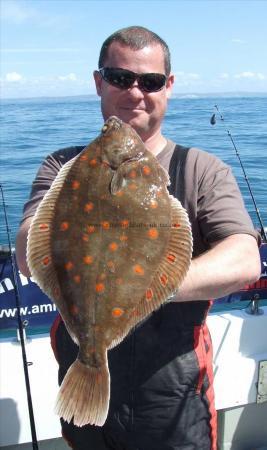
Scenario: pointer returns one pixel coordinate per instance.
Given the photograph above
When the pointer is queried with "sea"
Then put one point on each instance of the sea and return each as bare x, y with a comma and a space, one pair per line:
33, 128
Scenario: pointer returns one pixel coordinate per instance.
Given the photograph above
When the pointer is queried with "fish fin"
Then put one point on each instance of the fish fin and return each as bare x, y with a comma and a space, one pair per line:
119, 178
164, 176
84, 395
117, 181
38, 243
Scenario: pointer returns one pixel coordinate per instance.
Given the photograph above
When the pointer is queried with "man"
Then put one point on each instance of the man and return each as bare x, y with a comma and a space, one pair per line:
161, 374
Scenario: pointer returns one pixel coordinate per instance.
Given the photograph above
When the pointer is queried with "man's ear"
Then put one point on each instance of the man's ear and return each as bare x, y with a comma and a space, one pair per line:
98, 82
169, 85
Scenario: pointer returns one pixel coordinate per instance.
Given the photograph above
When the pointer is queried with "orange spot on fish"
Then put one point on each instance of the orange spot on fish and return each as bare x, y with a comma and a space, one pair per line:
138, 269
132, 186
171, 258
83, 157
149, 294
153, 204
132, 174
176, 225
85, 238
123, 238
146, 170
99, 287
113, 246
46, 261
75, 185
90, 228
125, 223
153, 233
119, 194
43, 227
77, 279
69, 265
163, 279
88, 259
93, 162
111, 266
88, 207
117, 312
105, 225
74, 310
64, 226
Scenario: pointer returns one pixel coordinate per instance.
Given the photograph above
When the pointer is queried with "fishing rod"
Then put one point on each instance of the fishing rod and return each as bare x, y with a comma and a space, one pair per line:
213, 122
21, 329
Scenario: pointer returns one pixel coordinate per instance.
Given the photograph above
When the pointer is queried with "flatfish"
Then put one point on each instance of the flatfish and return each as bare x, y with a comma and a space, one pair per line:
108, 245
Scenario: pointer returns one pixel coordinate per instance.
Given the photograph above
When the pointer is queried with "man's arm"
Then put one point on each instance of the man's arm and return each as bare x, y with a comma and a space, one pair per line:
227, 267
21, 246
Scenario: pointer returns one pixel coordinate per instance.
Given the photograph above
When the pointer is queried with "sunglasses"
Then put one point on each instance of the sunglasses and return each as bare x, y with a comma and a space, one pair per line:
124, 79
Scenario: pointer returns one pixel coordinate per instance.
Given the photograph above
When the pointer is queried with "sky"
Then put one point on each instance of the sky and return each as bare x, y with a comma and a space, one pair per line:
51, 47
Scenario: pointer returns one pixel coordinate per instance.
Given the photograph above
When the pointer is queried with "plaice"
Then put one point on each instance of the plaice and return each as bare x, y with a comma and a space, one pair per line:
108, 245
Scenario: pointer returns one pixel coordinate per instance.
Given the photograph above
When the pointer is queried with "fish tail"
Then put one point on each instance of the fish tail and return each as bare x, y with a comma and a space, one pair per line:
84, 395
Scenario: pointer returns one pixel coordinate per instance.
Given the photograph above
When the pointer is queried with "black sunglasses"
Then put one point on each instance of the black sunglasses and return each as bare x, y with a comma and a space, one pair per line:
124, 79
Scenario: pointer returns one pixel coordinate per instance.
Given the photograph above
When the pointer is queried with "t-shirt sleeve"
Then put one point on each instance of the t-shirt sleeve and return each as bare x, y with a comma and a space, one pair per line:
41, 184
45, 177
220, 207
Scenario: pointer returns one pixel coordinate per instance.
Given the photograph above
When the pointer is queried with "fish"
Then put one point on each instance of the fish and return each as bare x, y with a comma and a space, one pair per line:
109, 245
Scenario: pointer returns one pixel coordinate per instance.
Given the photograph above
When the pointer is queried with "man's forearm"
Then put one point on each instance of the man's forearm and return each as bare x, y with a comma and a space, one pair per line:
225, 268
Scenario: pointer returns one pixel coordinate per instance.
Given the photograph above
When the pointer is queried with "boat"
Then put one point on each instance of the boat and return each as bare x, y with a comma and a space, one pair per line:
238, 327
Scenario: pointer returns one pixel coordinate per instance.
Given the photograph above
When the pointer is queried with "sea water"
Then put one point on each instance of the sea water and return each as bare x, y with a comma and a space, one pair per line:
33, 128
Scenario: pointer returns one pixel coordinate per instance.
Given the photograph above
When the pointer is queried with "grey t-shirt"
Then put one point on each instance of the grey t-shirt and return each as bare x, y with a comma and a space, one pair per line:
212, 197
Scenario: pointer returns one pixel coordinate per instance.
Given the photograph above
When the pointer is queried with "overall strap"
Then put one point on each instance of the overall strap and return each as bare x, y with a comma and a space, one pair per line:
176, 172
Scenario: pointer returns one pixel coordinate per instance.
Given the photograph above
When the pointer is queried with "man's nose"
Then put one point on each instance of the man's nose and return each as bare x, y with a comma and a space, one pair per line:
135, 90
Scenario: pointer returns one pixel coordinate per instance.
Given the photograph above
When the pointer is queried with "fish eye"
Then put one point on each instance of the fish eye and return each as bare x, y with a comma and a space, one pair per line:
104, 128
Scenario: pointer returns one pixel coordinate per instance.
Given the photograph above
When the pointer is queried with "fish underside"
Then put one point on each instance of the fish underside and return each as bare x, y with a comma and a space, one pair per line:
108, 244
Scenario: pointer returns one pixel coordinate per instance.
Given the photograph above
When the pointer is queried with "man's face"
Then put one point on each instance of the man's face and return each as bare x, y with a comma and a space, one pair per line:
144, 111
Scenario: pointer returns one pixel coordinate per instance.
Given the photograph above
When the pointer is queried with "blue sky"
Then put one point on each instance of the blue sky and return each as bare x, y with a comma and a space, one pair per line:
51, 47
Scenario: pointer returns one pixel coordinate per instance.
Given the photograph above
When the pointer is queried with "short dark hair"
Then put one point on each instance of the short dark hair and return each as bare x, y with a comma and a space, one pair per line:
136, 38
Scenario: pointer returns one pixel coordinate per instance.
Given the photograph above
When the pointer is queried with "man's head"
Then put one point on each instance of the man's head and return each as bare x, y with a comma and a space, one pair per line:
139, 101
136, 38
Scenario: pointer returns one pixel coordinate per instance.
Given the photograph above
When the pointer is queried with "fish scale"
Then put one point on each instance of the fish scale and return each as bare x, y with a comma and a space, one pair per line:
109, 245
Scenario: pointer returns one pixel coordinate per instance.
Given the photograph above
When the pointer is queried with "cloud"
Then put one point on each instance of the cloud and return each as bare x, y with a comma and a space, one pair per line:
17, 13
187, 79
70, 77
186, 76
224, 76
238, 41
41, 50
251, 76
13, 76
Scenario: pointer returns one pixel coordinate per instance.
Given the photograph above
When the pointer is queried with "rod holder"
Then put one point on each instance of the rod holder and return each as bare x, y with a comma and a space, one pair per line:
253, 308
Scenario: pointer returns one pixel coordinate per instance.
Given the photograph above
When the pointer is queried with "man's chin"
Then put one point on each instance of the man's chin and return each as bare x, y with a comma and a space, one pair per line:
136, 118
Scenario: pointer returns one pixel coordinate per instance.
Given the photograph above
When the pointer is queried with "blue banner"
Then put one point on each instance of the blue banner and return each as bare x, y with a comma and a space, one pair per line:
38, 310
35, 307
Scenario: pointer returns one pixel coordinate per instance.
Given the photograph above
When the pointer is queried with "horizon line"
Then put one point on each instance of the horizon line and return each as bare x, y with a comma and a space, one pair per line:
183, 94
